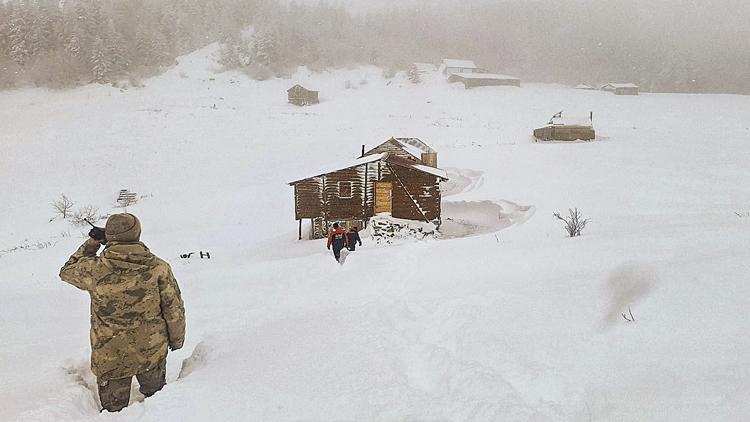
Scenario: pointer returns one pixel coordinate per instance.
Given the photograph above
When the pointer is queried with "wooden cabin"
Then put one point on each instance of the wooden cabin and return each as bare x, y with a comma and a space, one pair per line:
621, 88
451, 66
299, 95
566, 129
352, 193
412, 149
474, 79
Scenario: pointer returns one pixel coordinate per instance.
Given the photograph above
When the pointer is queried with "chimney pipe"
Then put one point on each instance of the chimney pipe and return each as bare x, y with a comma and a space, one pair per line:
363, 151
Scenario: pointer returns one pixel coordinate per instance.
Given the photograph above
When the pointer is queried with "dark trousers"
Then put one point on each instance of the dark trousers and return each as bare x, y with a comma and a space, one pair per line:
115, 394
337, 252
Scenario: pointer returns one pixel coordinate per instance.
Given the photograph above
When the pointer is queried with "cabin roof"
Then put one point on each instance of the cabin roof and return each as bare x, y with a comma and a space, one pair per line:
388, 158
356, 163
621, 85
466, 75
298, 85
402, 162
467, 64
414, 146
584, 86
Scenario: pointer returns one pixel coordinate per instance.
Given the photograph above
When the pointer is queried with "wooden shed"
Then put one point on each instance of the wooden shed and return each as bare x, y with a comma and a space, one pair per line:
621, 88
566, 129
375, 183
451, 66
299, 95
471, 80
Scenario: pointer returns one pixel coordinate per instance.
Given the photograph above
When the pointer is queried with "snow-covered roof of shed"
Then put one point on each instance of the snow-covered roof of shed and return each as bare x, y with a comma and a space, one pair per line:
467, 75
414, 146
584, 86
466, 64
356, 163
622, 85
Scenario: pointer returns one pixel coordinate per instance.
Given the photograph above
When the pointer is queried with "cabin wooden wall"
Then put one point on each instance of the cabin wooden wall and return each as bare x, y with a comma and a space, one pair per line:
337, 208
308, 198
420, 192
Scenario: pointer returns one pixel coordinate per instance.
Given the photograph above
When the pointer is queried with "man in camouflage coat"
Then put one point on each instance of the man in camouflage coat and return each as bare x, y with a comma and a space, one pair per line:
136, 309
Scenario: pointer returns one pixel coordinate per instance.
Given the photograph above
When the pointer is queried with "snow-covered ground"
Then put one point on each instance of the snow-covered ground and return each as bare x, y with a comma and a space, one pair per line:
497, 320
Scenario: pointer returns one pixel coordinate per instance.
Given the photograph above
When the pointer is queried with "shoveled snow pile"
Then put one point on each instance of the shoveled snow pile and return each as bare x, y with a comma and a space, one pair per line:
512, 321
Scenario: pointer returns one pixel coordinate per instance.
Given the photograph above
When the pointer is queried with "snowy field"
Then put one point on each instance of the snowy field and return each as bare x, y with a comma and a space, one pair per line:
501, 319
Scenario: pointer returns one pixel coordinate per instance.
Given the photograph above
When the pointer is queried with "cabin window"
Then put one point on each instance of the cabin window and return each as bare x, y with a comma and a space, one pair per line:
345, 190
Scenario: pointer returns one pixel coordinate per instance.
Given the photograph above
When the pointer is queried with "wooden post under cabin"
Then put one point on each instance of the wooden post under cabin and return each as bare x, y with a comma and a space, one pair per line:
300, 230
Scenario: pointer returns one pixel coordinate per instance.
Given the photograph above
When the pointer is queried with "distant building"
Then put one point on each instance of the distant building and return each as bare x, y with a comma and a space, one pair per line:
567, 129
451, 66
299, 95
471, 80
621, 88
397, 177
584, 86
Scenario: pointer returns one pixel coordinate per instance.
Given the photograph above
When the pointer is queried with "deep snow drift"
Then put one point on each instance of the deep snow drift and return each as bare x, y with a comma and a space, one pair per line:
502, 318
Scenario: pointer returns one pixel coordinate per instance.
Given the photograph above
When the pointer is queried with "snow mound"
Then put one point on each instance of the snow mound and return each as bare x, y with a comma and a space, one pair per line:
461, 181
471, 218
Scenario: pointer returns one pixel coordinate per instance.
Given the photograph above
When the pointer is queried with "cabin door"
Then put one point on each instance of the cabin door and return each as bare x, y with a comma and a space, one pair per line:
383, 197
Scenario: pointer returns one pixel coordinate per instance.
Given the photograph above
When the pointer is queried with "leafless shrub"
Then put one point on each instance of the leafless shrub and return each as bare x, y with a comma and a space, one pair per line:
574, 223
88, 212
63, 206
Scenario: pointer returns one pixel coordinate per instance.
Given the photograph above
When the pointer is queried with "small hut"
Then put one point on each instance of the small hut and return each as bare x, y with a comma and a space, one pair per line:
566, 129
299, 95
473, 79
451, 66
383, 182
585, 87
621, 88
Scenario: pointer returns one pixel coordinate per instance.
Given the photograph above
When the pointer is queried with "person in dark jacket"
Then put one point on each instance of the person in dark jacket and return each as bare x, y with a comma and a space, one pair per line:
337, 239
353, 238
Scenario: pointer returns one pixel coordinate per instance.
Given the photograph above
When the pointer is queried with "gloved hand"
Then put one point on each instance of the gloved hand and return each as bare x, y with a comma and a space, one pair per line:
97, 233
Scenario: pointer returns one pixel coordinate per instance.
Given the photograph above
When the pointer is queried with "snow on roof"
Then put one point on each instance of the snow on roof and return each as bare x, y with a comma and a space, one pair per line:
358, 162
431, 170
416, 166
584, 86
485, 76
467, 64
622, 85
414, 146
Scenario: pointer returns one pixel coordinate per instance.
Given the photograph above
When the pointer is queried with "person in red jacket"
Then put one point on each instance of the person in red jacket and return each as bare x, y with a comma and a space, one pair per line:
338, 239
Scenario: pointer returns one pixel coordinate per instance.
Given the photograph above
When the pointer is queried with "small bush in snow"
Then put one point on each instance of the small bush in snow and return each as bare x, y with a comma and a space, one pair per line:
63, 206
88, 212
574, 223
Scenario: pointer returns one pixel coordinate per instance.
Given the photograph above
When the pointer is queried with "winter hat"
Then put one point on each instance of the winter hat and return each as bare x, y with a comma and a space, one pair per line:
123, 228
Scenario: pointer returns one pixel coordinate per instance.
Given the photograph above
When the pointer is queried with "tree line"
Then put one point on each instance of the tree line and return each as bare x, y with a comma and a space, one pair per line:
666, 46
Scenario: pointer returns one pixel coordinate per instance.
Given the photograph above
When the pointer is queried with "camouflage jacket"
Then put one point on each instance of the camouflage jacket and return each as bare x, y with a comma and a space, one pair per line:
136, 307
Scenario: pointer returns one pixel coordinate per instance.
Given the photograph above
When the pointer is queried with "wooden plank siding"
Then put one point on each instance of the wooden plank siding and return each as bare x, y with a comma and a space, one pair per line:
308, 198
416, 195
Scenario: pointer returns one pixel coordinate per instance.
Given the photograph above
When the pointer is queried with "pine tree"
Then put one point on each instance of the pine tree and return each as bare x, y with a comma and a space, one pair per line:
18, 29
264, 46
101, 66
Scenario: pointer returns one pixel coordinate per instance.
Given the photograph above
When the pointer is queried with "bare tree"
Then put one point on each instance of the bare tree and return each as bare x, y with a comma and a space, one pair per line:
574, 223
63, 206
88, 212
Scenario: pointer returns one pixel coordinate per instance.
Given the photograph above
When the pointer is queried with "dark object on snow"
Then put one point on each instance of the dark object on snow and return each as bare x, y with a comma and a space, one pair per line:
353, 239
202, 254
186, 255
621, 88
97, 233
300, 96
205, 255
337, 239
472, 80
399, 177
